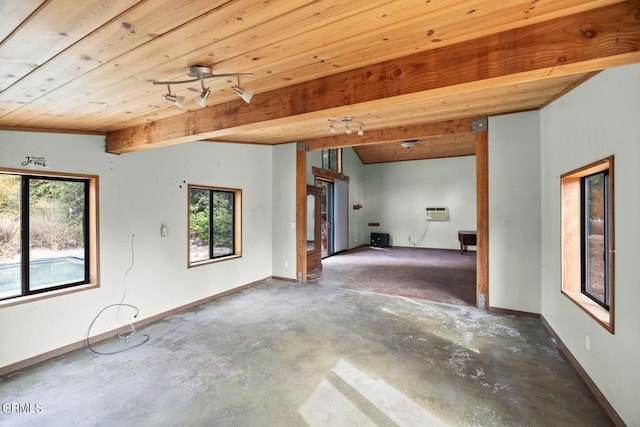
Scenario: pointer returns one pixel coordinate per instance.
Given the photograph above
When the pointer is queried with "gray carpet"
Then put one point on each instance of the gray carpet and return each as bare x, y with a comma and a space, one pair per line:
281, 354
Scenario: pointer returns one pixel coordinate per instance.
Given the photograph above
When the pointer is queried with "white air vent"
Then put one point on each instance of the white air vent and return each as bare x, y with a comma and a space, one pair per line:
437, 214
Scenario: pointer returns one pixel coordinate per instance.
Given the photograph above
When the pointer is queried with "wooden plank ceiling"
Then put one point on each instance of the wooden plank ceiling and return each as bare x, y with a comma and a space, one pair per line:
405, 69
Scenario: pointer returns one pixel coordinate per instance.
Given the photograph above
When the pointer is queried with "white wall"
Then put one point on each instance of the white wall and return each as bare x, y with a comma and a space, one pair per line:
397, 194
314, 158
138, 193
354, 169
514, 212
284, 211
595, 120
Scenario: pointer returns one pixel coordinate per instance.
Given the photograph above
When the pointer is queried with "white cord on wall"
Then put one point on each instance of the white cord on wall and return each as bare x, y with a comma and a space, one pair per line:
424, 234
125, 335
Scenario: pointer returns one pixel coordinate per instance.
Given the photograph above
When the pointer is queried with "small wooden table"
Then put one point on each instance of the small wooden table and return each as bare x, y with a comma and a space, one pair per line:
466, 238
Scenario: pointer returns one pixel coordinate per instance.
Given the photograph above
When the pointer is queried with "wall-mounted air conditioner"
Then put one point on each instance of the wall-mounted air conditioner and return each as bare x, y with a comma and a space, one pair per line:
437, 214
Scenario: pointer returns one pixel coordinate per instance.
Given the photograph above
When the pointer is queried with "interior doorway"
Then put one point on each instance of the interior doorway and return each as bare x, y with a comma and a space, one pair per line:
334, 215
327, 216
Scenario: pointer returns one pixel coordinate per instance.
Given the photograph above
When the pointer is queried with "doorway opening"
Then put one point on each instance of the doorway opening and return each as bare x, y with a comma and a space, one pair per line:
326, 217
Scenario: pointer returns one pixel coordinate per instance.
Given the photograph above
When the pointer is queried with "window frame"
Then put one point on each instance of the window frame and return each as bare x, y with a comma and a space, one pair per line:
332, 153
585, 227
236, 226
573, 236
91, 227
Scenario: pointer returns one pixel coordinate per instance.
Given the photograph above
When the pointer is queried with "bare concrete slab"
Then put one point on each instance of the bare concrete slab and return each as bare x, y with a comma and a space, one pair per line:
283, 354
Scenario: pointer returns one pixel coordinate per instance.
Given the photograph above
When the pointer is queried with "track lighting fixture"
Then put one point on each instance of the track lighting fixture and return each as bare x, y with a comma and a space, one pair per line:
347, 122
246, 95
199, 73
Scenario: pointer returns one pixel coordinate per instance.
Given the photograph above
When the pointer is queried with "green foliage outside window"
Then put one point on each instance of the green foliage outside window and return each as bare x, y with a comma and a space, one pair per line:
331, 159
200, 215
203, 224
9, 215
56, 214
223, 220
596, 199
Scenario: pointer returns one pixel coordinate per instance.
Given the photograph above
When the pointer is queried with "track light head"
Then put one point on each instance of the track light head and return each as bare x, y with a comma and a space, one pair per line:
178, 101
202, 99
246, 95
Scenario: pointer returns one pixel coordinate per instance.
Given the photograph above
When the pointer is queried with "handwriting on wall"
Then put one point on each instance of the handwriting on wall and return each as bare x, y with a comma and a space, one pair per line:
34, 161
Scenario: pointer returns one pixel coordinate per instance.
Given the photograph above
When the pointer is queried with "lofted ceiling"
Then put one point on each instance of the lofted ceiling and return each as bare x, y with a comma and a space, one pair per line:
407, 69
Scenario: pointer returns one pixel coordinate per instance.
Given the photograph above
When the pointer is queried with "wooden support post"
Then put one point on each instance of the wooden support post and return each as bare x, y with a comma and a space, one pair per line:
301, 213
482, 218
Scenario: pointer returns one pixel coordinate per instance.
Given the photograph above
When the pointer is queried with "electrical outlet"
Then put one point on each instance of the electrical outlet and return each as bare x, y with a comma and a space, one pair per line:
286, 264
587, 342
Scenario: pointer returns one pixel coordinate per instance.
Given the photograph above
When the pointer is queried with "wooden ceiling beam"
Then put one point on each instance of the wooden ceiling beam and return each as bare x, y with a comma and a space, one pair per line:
585, 42
377, 136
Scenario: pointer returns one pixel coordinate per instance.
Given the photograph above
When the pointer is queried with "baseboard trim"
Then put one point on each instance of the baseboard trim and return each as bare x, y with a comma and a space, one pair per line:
615, 417
469, 251
284, 279
496, 310
138, 324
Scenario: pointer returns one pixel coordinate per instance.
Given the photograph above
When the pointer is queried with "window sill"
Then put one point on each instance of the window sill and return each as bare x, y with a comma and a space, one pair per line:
598, 313
45, 295
212, 261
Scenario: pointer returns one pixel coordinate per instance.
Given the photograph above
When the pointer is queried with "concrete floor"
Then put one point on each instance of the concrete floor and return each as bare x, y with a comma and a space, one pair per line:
284, 354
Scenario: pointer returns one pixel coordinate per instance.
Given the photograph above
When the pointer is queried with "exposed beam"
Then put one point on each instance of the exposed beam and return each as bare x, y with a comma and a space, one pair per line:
585, 42
371, 137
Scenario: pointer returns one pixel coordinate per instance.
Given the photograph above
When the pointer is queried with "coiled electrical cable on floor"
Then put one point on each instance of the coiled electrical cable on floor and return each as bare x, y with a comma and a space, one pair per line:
125, 335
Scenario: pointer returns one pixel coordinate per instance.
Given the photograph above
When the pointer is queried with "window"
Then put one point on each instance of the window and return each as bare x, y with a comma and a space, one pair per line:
332, 159
595, 218
214, 224
47, 233
587, 239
